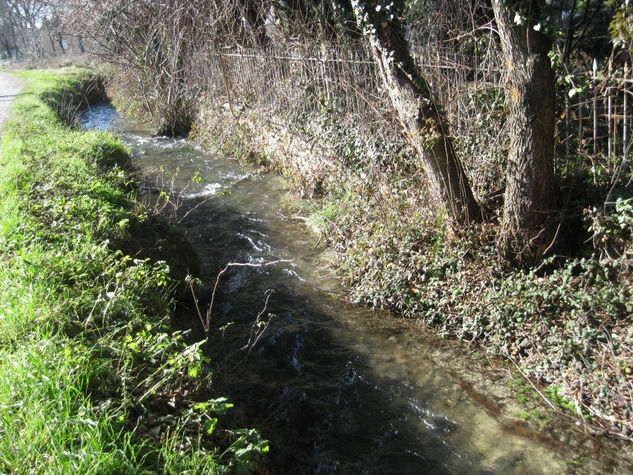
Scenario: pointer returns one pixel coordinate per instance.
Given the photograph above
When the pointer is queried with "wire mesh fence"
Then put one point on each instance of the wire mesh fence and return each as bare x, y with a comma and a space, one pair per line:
593, 128
301, 80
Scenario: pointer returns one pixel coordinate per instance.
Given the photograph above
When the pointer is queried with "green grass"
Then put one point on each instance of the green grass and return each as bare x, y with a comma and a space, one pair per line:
86, 351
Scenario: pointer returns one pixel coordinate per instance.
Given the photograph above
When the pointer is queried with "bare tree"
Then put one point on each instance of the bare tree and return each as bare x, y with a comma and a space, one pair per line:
23, 19
157, 44
30, 27
8, 36
421, 117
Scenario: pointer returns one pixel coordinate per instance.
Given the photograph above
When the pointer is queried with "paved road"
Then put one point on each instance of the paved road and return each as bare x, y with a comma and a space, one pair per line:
10, 86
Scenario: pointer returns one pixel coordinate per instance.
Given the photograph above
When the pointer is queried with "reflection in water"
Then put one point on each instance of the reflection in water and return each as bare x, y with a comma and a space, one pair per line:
335, 387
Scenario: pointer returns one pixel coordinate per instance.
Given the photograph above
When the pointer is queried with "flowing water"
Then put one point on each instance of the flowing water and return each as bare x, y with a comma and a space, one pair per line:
334, 386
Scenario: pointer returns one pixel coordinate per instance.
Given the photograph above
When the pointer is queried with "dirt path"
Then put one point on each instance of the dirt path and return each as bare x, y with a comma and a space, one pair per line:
10, 87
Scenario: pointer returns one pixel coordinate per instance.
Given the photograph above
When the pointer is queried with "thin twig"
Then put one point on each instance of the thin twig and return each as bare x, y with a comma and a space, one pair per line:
189, 280
250, 344
235, 264
581, 421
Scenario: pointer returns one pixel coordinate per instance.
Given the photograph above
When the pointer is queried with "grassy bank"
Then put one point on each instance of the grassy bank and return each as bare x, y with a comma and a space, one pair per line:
566, 324
92, 377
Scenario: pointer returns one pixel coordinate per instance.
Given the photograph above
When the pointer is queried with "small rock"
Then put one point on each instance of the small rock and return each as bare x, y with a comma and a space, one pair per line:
155, 431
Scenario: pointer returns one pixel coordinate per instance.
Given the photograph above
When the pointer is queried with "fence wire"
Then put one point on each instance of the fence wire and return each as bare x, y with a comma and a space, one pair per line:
301, 81
594, 122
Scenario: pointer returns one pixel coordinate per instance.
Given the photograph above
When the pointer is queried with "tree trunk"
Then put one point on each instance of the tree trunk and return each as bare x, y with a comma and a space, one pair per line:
529, 215
418, 112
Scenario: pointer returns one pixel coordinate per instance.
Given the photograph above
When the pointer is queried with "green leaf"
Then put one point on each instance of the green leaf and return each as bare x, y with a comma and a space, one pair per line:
210, 424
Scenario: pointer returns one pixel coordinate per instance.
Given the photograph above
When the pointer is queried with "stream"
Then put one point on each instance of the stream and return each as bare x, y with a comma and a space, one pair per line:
335, 387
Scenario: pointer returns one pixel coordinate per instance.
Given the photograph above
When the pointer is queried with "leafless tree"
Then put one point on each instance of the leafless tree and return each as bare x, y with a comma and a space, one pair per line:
23, 26
157, 44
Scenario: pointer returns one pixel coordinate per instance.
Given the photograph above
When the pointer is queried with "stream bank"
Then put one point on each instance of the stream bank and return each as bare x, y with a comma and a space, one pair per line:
335, 386
93, 378
363, 195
